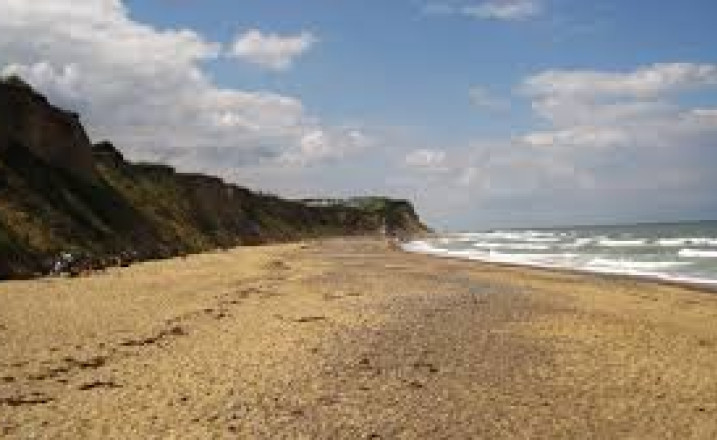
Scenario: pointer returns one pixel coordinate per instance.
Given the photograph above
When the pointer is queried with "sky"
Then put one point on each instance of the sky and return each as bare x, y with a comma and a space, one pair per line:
484, 113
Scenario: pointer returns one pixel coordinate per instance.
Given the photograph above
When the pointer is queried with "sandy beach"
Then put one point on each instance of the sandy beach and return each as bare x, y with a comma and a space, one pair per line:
349, 338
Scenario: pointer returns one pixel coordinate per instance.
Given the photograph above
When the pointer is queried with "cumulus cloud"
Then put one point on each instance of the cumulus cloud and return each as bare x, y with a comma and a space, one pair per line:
638, 108
146, 88
627, 130
271, 51
612, 145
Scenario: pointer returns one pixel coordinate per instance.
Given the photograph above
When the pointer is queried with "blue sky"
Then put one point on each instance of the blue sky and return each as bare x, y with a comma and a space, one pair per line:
409, 67
484, 112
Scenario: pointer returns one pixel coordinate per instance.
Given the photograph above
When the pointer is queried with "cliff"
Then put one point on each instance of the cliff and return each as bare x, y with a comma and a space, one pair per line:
64, 200
51, 134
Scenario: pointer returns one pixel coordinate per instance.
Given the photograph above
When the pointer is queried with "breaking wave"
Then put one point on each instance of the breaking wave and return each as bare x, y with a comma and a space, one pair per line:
676, 252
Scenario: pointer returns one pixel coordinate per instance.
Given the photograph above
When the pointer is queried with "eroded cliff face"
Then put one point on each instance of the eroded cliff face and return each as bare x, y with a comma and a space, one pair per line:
51, 134
59, 194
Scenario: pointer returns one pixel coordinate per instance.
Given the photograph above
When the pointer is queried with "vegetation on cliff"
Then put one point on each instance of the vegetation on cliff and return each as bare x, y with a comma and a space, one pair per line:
61, 195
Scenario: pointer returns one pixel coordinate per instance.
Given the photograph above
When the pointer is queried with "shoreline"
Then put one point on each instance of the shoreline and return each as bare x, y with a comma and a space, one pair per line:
350, 338
704, 287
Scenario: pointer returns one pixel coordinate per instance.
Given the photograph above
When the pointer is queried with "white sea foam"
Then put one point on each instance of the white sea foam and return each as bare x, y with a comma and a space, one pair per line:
606, 242
633, 265
418, 246
697, 253
641, 261
579, 242
544, 239
705, 241
673, 242
529, 236
678, 242
511, 246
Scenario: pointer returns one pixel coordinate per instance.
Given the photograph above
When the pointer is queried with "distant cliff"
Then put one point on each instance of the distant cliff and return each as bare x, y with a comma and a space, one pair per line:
63, 199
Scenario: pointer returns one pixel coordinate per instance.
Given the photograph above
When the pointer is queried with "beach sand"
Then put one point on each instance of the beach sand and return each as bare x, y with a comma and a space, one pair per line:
348, 338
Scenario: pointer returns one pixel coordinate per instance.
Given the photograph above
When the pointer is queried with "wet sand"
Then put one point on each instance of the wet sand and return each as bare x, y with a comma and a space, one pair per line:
352, 339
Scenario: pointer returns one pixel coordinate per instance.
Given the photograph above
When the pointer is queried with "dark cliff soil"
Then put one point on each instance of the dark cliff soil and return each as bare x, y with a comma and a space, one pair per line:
59, 194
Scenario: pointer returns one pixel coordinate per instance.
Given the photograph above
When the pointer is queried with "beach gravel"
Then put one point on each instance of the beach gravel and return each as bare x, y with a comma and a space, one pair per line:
350, 338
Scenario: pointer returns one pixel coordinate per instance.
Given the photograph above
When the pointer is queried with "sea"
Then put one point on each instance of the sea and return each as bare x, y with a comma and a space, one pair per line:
682, 252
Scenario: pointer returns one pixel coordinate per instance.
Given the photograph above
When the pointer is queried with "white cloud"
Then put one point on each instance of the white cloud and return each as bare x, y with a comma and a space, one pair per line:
501, 10
427, 160
597, 137
506, 10
708, 114
327, 144
271, 51
600, 109
611, 146
624, 132
643, 83
439, 9
484, 99
145, 88
568, 111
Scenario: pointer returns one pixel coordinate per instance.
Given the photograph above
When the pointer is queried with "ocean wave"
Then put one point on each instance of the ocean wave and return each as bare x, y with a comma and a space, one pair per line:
547, 260
606, 242
419, 246
594, 262
697, 253
673, 242
544, 239
579, 242
526, 236
704, 241
678, 242
629, 265
511, 246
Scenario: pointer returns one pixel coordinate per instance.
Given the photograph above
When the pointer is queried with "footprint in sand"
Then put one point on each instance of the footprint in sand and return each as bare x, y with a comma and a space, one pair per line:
305, 319
98, 384
34, 399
